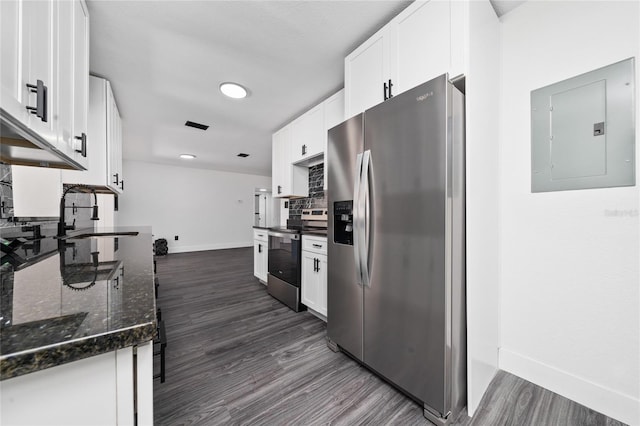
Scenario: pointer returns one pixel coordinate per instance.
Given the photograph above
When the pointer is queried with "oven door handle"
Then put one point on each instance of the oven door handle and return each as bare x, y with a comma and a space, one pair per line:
284, 235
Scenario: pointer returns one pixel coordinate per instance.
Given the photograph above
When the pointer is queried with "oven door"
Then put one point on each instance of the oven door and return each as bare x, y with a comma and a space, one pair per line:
285, 253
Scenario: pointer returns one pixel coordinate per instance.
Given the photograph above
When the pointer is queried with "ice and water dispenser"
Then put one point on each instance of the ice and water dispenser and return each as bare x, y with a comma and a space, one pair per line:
343, 222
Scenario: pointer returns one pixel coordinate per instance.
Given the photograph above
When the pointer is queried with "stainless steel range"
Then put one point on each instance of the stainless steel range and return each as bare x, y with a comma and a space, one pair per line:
285, 255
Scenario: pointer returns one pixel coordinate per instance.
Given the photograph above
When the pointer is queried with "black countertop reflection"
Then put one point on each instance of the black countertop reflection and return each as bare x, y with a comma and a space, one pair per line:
61, 301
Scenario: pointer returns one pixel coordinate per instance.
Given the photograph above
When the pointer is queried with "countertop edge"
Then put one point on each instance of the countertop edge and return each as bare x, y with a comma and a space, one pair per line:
20, 363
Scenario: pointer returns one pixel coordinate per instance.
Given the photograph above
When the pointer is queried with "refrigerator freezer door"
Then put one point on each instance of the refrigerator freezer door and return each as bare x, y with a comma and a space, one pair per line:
344, 298
405, 303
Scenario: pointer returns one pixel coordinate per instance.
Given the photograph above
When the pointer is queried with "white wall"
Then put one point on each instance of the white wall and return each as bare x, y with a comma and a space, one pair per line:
483, 202
570, 298
207, 209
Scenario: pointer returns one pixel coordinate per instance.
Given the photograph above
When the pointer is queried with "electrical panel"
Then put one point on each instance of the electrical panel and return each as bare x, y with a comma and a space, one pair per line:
583, 131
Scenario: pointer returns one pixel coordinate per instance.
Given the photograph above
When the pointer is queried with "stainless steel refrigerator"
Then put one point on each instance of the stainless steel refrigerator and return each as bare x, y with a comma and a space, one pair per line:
396, 244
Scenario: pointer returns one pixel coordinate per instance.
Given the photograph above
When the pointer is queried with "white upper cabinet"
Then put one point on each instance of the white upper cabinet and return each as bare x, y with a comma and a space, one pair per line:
114, 144
302, 143
104, 141
421, 49
333, 111
287, 180
11, 43
73, 78
307, 135
65, 83
38, 68
367, 73
81, 77
39, 80
419, 44
280, 156
333, 115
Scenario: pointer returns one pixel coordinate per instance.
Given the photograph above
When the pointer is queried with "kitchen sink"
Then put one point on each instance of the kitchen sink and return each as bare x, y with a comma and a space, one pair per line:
103, 234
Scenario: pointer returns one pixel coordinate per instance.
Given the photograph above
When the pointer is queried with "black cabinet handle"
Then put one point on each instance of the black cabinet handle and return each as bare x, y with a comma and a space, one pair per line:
304, 149
40, 110
83, 148
390, 86
318, 267
122, 184
259, 248
384, 91
317, 245
279, 189
117, 181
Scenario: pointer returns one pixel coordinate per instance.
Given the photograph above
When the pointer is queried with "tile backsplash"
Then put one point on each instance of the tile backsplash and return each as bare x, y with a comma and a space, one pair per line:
6, 195
316, 197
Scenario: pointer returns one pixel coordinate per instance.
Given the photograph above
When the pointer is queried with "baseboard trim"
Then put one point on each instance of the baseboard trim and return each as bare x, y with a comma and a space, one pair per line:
609, 402
205, 247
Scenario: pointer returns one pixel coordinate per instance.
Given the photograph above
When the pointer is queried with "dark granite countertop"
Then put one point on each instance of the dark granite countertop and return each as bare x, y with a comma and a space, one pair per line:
266, 228
62, 301
315, 233
284, 229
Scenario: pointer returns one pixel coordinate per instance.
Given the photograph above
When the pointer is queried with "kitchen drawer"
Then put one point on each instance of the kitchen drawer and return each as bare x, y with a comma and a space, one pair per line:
314, 244
261, 235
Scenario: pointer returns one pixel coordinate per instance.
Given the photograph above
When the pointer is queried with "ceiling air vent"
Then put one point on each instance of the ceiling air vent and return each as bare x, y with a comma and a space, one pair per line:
243, 155
196, 125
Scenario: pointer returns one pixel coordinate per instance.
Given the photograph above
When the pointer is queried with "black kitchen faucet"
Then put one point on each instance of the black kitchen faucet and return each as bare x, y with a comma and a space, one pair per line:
62, 226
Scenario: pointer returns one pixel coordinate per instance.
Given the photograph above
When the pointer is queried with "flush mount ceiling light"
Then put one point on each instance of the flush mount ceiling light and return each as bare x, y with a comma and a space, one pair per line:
187, 156
233, 90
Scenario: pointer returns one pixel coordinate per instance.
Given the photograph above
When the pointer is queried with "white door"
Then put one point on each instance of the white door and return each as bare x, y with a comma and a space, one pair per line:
65, 84
366, 71
38, 64
12, 43
309, 280
307, 134
114, 143
260, 260
281, 162
421, 48
264, 267
333, 115
81, 80
321, 282
257, 263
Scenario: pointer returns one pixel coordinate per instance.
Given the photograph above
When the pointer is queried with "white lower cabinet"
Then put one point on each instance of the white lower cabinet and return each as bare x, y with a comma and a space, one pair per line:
314, 275
260, 256
95, 390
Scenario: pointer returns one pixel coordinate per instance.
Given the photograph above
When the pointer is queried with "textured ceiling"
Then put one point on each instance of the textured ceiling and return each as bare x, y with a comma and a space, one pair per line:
166, 59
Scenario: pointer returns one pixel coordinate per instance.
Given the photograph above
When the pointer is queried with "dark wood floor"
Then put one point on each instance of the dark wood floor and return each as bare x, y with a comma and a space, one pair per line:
237, 356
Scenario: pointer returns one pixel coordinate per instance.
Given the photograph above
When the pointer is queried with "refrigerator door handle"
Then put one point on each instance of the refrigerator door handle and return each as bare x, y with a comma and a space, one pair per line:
366, 221
357, 219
